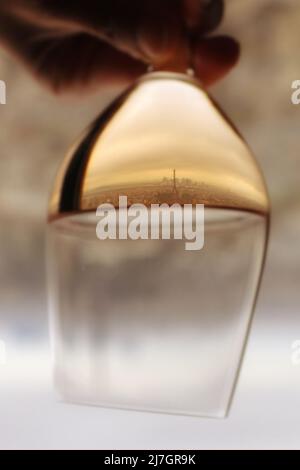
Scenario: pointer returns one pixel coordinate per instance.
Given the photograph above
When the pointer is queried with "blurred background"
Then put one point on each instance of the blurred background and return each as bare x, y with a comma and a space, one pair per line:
36, 129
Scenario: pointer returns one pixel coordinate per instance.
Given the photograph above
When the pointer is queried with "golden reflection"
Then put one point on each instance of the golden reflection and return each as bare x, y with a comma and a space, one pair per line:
165, 125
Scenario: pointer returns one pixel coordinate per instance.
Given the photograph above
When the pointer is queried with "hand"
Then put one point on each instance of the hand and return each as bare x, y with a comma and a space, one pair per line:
85, 44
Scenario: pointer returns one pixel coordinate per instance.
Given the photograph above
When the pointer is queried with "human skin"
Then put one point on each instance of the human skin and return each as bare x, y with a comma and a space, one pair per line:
81, 45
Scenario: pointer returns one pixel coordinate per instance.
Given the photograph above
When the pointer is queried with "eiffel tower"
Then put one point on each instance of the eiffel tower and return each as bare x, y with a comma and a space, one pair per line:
174, 183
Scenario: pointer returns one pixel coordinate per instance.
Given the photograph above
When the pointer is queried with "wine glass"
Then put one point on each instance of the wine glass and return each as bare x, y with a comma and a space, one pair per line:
146, 324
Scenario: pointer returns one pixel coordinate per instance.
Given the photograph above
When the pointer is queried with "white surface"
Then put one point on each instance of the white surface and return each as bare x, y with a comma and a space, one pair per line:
265, 412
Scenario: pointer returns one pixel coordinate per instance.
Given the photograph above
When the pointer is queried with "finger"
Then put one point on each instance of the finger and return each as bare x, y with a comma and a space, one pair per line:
82, 63
151, 31
40, 49
214, 58
148, 30
68, 62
